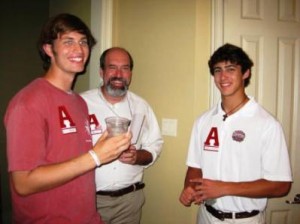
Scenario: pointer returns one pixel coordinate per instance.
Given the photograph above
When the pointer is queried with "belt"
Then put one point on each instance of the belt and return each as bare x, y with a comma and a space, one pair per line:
228, 215
126, 190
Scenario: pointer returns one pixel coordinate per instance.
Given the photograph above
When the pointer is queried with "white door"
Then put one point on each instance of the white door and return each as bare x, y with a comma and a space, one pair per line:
269, 30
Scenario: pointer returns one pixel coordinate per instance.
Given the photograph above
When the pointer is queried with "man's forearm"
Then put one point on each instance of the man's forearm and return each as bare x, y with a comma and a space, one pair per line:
143, 157
258, 189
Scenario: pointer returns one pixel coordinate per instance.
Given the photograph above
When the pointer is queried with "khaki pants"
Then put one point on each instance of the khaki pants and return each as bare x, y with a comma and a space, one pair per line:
204, 217
125, 209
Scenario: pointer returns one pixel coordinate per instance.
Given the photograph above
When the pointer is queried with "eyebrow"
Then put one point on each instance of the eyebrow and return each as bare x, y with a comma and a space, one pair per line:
67, 36
125, 65
226, 66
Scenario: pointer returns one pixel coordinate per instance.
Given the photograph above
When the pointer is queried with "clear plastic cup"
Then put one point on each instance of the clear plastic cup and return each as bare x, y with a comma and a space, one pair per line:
116, 125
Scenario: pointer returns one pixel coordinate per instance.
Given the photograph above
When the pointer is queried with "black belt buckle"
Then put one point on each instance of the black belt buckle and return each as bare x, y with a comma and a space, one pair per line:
227, 215
215, 213
220, 215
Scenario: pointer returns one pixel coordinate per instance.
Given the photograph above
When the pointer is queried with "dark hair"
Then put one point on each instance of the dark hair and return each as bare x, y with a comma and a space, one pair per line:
61, 24
103, 56
233, 54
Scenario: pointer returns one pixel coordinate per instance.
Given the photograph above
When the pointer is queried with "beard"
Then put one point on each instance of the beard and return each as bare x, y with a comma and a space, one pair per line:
116, 91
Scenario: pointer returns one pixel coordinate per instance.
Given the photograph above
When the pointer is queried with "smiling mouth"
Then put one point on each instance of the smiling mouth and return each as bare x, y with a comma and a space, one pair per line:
117, 82
76, 59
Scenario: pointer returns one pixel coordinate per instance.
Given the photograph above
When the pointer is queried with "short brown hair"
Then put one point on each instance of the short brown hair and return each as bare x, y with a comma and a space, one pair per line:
60, 24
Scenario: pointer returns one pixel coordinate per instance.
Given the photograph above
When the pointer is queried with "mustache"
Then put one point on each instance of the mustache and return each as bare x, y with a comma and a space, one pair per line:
118, 79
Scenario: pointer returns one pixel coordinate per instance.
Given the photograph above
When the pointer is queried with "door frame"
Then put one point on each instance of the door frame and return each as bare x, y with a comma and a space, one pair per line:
217, 40
101, 26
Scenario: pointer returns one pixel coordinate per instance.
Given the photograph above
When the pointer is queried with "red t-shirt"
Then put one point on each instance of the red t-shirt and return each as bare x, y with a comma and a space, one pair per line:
46, 125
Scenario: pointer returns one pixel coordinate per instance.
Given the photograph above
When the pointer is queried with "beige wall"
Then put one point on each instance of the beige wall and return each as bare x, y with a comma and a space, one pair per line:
170, 43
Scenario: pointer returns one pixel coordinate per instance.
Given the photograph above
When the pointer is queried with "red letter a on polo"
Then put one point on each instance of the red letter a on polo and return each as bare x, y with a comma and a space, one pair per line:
96, 128
212, 140
66, 123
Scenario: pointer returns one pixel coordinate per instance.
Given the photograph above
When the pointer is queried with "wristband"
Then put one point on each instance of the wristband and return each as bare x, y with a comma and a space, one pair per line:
95, 157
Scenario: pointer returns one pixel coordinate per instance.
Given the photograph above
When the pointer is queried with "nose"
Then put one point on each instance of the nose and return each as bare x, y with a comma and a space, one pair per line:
119, 72
223, 74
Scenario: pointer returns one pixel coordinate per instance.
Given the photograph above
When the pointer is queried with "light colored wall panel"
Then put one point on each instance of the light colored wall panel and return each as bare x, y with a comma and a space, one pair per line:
288, 10
253, 46
296, 110
252, 9
286, 74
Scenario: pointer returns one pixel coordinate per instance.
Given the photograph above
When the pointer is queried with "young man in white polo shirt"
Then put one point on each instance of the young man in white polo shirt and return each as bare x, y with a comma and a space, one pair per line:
233, 149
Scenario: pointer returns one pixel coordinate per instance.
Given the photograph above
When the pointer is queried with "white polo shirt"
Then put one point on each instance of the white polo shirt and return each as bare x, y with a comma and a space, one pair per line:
247, 146
117, 175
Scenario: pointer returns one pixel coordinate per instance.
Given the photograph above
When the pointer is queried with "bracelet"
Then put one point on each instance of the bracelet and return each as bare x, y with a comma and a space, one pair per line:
95, 157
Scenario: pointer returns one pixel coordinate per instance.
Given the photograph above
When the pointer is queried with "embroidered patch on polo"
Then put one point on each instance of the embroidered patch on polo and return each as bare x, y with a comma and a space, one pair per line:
238, 136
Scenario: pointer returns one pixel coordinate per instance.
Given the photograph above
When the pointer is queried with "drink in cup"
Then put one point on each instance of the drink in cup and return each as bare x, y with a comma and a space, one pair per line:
116, 125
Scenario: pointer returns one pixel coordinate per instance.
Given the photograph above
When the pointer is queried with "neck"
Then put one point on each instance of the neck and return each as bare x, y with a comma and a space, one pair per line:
60, 81
231, 106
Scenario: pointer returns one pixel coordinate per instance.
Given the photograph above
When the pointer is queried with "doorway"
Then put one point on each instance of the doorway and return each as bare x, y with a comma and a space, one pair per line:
269, 31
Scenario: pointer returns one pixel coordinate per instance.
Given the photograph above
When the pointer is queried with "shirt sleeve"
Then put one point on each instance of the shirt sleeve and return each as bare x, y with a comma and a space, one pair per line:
276, 164
151, 139
25, 137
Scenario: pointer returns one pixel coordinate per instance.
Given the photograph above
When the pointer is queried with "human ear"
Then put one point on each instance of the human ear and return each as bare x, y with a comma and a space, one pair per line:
101, 73
246, 74
48, 49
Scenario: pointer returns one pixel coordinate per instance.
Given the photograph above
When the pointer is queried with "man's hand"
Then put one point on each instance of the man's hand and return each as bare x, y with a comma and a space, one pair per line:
129, 156
206, 189
187, 196
111, 148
